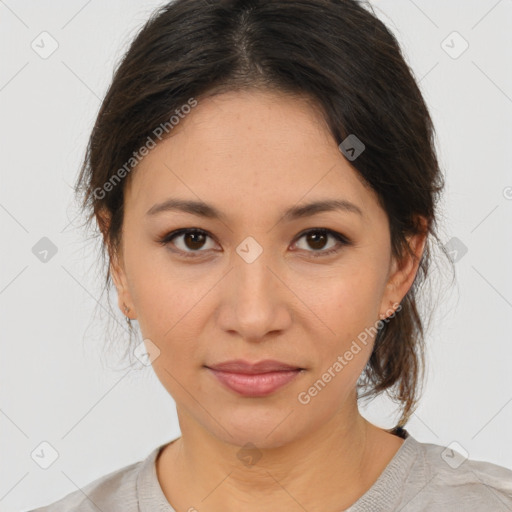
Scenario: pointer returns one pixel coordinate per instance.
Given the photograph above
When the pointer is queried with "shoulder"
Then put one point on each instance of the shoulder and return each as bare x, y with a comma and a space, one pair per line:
444, 477
114, 491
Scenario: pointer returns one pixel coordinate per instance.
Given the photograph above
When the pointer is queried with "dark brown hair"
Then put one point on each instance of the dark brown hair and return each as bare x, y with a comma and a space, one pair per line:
337, 54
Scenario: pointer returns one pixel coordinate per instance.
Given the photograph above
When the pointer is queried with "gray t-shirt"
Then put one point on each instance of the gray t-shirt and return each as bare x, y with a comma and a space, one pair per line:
420, 477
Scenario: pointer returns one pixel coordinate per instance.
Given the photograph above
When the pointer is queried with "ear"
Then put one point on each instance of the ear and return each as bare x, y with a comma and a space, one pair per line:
116, 268
403, 271
124, 299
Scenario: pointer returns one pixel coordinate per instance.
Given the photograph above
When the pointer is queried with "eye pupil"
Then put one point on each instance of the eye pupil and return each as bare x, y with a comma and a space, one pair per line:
314, 237
194, 237
191, 241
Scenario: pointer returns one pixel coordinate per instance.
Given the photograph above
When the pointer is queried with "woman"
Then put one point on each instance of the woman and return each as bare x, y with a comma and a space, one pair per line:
264, 178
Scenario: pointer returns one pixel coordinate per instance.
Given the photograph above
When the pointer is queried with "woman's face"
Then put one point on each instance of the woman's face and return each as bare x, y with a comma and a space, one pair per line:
253, 285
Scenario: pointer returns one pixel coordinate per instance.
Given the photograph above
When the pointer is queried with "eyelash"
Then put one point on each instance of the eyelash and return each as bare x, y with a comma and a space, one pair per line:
343, 240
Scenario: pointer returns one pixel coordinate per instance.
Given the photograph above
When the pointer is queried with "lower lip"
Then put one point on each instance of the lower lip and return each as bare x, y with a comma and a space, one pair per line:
261, 384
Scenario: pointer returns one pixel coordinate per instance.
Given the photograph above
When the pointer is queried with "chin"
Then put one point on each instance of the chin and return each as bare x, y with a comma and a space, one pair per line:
254, 442
264, 434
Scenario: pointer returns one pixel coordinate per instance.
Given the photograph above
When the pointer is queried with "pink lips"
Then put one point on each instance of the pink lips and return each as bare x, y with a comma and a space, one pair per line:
254, 379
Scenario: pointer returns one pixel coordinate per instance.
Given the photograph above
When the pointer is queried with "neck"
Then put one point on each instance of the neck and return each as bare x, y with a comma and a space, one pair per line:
329, 468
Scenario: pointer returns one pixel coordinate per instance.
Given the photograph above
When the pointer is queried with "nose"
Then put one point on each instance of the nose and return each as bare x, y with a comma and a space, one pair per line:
255, 301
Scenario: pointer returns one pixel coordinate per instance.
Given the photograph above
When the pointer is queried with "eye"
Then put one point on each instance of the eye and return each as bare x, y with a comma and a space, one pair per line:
317, 238
192, 239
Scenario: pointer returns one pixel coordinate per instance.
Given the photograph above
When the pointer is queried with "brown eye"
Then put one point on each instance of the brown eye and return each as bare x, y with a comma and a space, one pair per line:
318, 238
194, 240
187, 241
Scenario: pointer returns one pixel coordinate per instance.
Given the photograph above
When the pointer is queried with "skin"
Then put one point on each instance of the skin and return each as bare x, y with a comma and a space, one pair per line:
252, 155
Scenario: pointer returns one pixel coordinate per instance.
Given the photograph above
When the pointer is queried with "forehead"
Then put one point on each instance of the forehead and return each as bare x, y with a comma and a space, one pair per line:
249, 151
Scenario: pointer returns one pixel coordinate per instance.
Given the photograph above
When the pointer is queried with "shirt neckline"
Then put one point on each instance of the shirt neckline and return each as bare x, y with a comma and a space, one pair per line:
149, 492
386, 490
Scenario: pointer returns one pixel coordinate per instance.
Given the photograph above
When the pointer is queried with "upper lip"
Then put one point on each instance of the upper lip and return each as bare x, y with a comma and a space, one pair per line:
265, 366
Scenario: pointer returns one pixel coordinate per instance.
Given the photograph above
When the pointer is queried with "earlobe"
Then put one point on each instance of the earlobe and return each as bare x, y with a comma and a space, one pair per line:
116, 267
410, 264
403, 273
123, 295
103, 221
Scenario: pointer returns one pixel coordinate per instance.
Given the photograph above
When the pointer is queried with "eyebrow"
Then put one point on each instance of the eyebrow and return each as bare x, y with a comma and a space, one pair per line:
295, 212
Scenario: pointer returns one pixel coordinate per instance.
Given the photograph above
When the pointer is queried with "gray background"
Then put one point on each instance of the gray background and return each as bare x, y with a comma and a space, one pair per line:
59, 386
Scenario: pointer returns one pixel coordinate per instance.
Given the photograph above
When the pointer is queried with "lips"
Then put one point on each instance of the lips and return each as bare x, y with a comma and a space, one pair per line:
254, 379
241, 366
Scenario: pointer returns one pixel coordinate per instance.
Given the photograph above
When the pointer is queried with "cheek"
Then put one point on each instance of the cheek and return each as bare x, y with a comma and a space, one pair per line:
350, 303
171, 312
165, 295
348, 306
